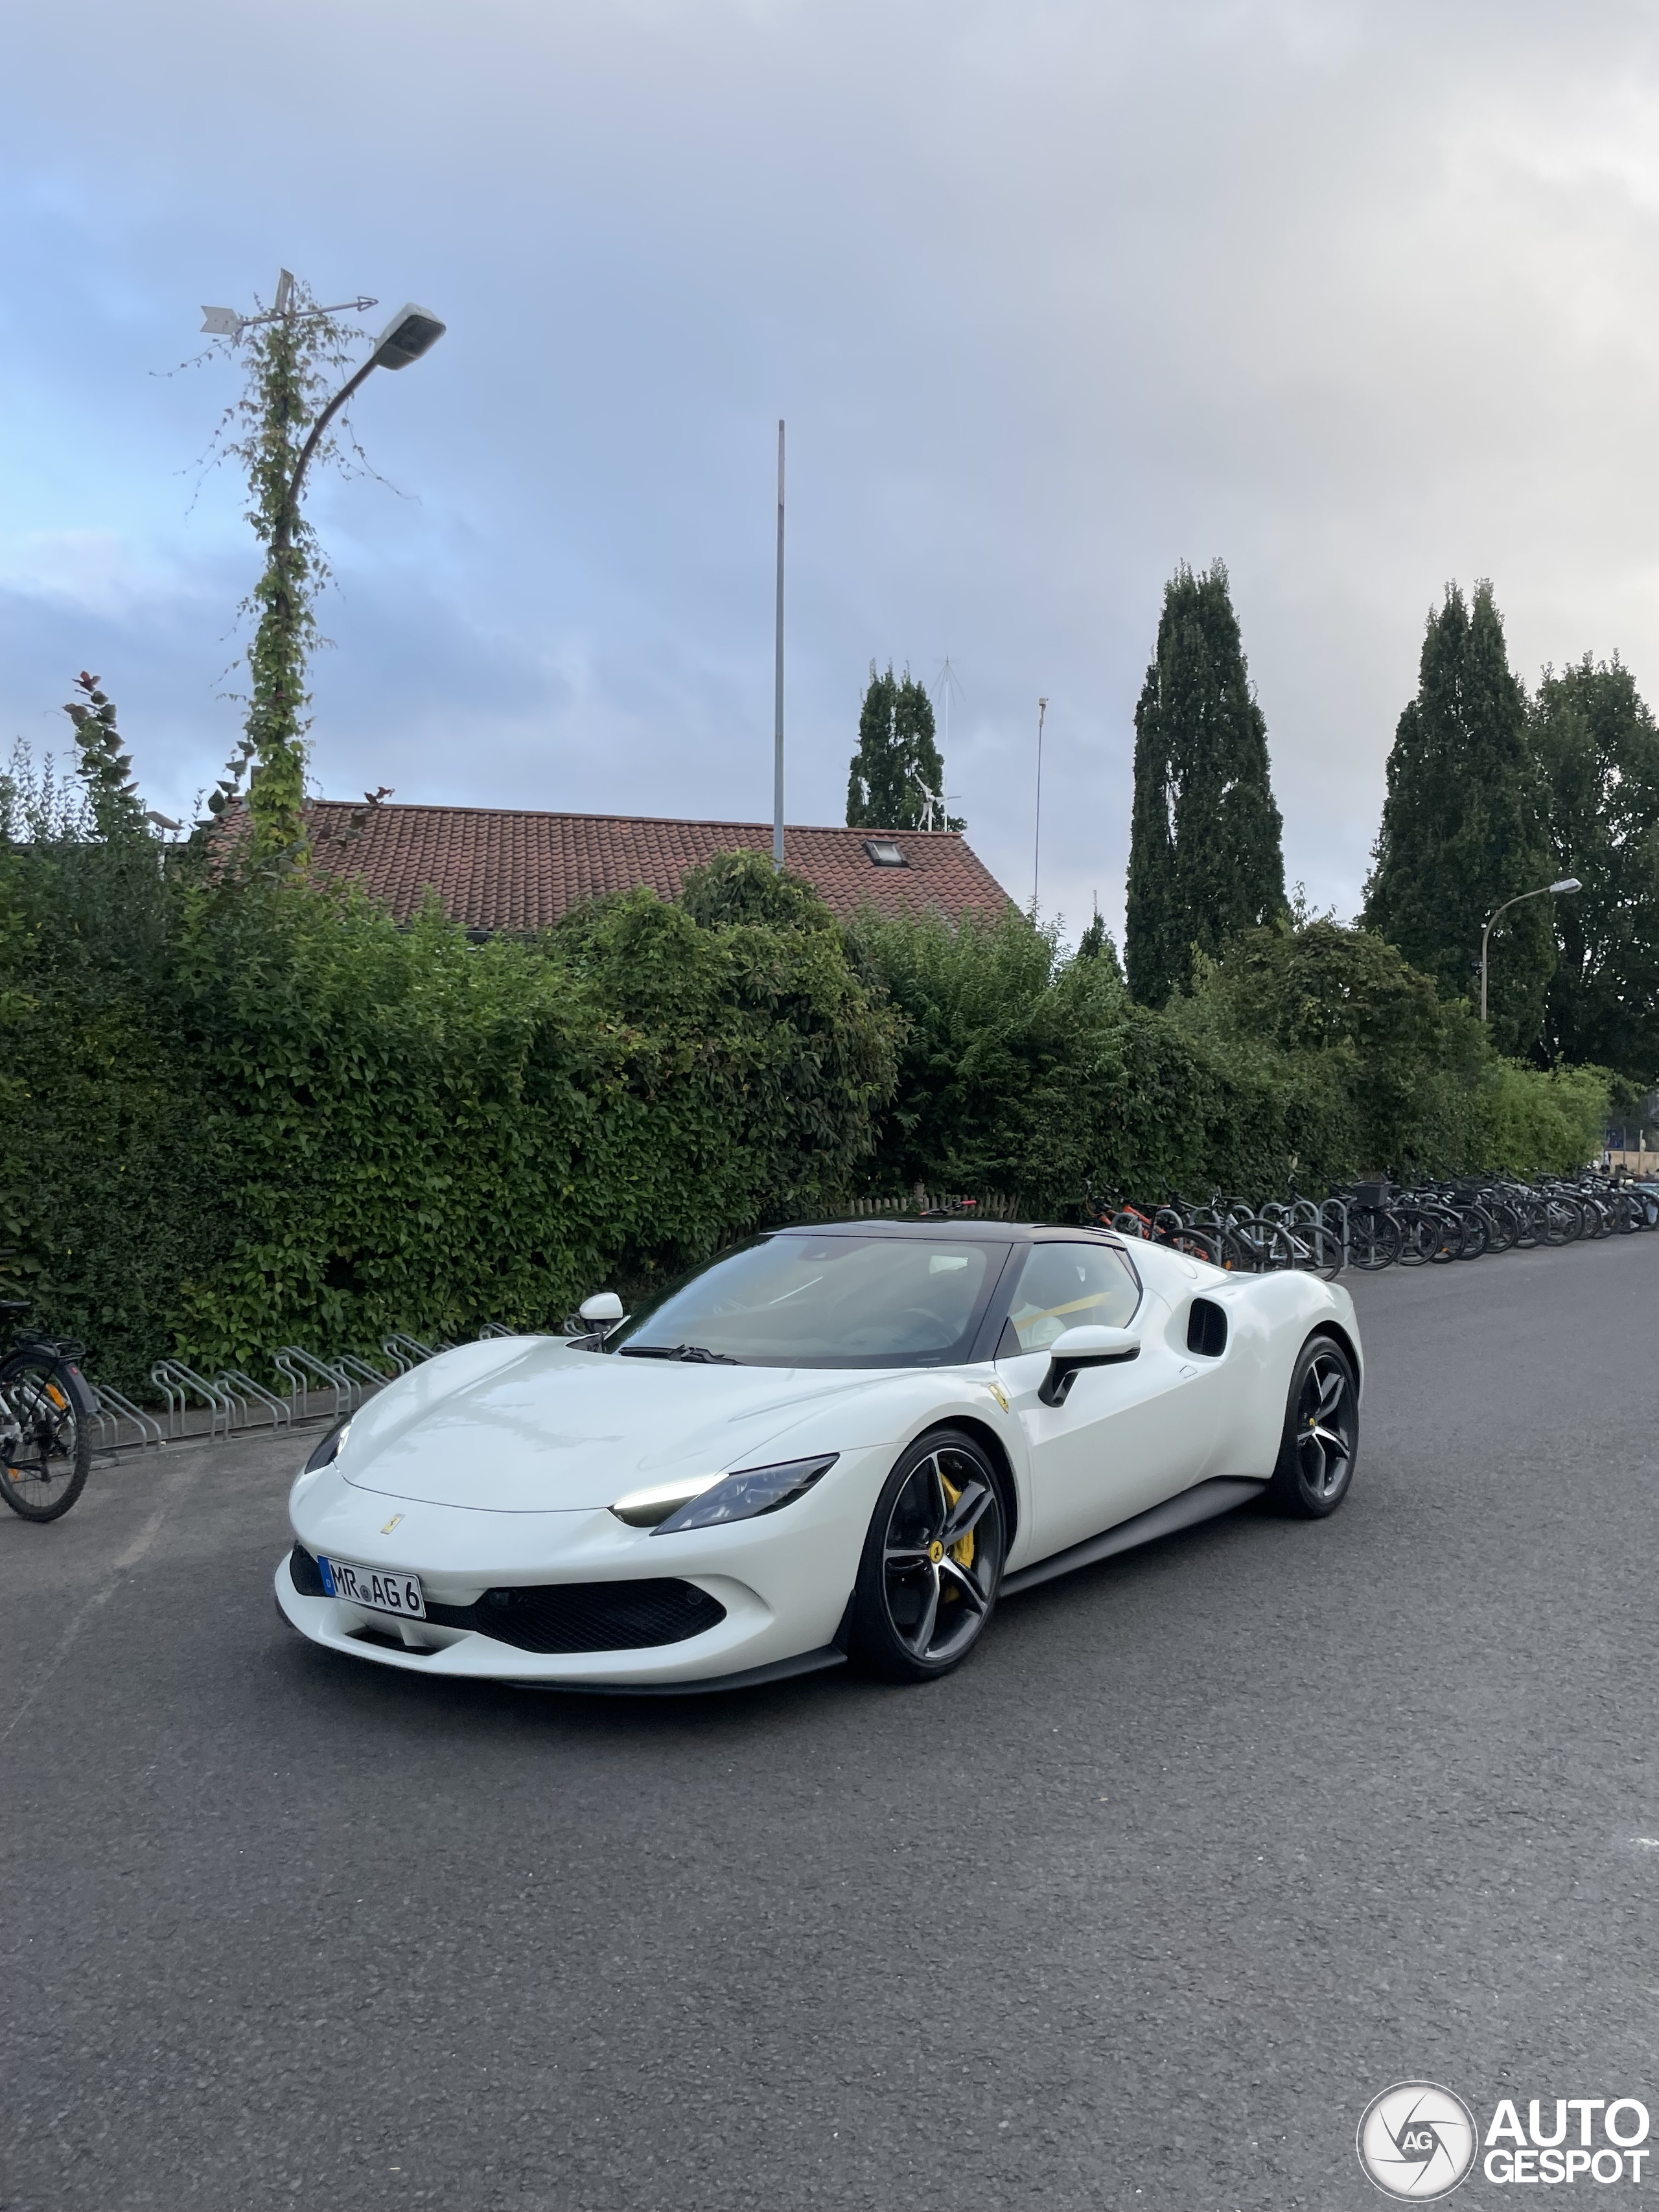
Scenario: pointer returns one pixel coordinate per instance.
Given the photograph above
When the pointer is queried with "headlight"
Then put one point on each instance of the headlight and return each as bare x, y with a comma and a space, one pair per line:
708, 1501
329, 1450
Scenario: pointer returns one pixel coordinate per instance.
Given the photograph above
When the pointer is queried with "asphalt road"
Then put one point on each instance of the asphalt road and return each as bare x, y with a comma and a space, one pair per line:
1204, 1848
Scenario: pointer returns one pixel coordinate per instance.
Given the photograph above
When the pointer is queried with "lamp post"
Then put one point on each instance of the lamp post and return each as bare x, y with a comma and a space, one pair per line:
1567, 885
412, 331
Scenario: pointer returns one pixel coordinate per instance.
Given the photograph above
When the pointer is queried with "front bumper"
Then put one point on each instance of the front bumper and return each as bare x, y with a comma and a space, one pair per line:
781, 1582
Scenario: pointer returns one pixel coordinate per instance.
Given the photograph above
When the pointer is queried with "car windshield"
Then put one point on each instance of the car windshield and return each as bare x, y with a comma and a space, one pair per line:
796, 1299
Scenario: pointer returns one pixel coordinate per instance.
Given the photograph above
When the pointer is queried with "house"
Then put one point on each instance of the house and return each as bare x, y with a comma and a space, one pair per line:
504, 870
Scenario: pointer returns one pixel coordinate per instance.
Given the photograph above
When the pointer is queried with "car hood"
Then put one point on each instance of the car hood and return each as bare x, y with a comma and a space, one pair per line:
524, 1424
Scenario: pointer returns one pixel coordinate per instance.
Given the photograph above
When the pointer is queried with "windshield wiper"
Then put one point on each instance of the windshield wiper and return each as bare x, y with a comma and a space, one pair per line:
697, 1354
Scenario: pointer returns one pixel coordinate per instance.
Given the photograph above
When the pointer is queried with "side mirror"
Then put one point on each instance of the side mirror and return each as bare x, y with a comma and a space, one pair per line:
595, 1318
1074, 1349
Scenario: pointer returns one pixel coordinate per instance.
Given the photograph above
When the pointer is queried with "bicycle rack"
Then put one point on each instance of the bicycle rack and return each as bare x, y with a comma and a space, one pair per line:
497, 1329
1333, 1214
242, 1391
361, 1377
409, 1352
303, 1369
112, 1409
179, 1384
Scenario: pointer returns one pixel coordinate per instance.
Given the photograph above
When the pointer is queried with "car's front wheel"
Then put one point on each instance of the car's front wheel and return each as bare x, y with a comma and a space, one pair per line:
933, 1561
1320, 1442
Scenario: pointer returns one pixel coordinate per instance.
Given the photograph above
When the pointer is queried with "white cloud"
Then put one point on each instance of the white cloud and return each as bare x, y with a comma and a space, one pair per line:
1053, 295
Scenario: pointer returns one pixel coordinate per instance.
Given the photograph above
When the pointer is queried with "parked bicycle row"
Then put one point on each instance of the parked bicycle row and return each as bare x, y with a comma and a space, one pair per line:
1379, 1223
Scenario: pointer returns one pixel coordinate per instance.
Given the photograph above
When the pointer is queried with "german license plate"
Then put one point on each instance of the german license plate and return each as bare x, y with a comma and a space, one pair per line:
373, 1587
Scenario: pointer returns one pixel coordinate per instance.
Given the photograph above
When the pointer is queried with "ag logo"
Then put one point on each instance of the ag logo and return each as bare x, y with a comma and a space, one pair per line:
1417, 2141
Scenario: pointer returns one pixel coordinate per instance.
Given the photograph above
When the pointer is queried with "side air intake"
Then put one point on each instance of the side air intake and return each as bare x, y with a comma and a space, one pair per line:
1206, 1328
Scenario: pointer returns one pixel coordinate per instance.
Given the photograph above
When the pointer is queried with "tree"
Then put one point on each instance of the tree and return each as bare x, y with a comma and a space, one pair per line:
105, 768
1205, 858
1597, 746
743, 887
897, 778
1462, 825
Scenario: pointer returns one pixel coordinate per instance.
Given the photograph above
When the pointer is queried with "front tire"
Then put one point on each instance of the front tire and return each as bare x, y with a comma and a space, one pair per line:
933, 1561
1320, 1442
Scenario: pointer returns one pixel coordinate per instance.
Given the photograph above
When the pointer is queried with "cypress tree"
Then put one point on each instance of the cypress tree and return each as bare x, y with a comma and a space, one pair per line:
1597, 746
1462, 826
897, 778
1205, 858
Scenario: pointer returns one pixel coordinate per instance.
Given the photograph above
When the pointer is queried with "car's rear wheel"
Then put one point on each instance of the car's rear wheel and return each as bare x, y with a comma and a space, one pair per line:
1321, 1433
933, 1561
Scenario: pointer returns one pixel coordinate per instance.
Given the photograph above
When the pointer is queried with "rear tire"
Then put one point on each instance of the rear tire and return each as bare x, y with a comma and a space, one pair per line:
45, 1445
933, 1561
1320, 1442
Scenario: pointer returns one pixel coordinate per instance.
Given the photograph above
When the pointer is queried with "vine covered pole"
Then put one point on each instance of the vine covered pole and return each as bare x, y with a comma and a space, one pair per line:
287, 421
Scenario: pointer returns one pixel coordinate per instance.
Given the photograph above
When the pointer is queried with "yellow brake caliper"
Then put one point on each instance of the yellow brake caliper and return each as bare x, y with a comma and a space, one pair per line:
962, 1553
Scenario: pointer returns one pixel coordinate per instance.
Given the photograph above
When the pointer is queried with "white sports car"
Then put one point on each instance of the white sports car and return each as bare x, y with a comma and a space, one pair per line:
836, 1442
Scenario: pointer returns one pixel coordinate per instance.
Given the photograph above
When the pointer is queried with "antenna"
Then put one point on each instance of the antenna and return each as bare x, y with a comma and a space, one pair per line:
1037, 837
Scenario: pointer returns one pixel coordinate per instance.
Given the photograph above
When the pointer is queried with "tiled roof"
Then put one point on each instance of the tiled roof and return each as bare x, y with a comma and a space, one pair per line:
496, 869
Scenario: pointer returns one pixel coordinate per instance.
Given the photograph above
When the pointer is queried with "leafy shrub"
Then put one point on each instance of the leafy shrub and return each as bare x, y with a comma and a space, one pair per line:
247, 1114
239, 1113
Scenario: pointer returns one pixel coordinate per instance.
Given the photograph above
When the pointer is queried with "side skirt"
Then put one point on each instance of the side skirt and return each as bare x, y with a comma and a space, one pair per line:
1201, 1502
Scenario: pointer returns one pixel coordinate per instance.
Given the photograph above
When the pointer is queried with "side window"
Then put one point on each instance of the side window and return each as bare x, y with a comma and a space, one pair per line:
1065, 1286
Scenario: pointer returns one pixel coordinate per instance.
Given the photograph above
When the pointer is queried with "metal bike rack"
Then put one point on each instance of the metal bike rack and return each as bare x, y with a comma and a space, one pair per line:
179, 1384
112, 1409
244, 1392
305, 1371
409, 1351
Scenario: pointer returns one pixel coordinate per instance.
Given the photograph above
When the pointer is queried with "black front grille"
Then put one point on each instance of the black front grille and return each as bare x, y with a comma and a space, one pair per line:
587, 1616
564, 1616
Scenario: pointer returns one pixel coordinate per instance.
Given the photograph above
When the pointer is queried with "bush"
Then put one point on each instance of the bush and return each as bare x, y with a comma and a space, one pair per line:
235, 1114
248, 1114
1307, 1056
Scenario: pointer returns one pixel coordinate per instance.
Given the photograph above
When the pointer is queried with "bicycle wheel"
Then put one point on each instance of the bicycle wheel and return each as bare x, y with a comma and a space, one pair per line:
1192, 1244
45, 1445
1374, 1238
1317, 1250
1431, 1236
1476, 1228
1505, 1226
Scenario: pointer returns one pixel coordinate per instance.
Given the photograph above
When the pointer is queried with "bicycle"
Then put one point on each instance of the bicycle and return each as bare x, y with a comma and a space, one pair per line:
46, 1407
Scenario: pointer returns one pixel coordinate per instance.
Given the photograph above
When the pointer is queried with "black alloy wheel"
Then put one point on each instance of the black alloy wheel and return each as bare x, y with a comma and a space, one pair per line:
1320, 1442
933, 1561
45, 1447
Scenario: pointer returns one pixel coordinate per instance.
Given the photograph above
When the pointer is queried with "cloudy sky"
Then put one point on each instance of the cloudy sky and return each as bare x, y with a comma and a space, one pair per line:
1054, 294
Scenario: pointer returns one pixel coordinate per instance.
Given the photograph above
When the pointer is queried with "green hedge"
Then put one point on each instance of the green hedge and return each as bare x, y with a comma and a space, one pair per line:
1307, 1056
288, 1119
236, 1114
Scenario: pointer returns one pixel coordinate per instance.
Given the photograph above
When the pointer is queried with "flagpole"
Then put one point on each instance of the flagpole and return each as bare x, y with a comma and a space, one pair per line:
777, 726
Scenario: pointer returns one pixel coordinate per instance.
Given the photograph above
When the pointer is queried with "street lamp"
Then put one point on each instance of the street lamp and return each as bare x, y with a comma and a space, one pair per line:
1567, 885
412, 331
